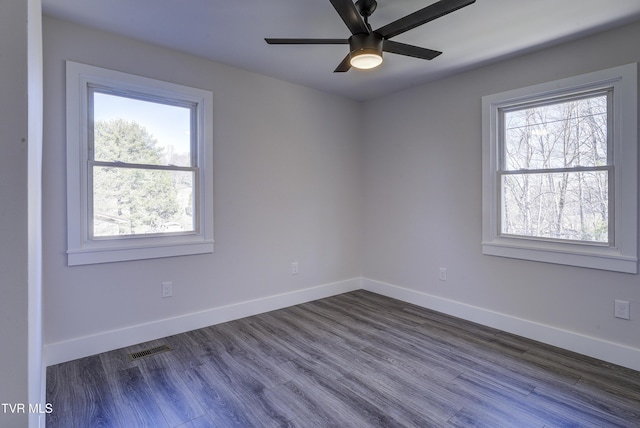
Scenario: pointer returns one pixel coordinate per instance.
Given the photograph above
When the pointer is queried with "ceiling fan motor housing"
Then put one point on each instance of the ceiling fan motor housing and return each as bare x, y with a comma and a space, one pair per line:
366, 43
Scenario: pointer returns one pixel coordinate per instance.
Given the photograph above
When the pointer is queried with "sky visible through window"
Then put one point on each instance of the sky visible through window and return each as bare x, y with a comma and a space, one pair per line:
169, 125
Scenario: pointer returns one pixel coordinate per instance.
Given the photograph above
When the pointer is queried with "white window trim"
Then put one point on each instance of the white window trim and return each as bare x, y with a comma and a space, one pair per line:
83, 250
623, 255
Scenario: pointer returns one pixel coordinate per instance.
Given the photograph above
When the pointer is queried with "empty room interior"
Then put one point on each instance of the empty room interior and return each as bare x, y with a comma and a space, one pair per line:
421, 243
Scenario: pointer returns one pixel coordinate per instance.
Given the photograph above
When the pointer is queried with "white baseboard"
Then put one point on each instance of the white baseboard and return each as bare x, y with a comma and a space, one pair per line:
597, 348
59, 352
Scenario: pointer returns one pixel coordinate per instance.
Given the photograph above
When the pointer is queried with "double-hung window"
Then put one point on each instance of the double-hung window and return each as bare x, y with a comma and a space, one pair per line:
138, 167
560, 171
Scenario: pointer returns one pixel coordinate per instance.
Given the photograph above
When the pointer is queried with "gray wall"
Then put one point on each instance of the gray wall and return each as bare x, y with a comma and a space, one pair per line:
422, 181
13, 193
287, 187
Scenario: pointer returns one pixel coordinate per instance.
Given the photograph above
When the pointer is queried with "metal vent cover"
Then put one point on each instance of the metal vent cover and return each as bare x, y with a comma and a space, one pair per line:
149, 352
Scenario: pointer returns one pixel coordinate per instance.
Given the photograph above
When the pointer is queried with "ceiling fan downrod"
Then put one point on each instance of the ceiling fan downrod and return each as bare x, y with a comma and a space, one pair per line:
366, 8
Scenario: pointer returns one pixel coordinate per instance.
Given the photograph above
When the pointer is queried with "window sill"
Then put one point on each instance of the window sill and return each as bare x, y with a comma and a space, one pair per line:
119, 254
564, 254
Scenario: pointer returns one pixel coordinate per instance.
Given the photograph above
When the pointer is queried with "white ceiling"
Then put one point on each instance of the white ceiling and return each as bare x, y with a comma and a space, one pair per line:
233, 32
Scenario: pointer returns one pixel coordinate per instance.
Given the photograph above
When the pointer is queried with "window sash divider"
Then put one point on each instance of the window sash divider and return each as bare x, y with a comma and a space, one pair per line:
608, 168
118, 164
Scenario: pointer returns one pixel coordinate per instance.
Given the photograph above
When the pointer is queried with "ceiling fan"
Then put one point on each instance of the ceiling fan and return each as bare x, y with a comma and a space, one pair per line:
365, 45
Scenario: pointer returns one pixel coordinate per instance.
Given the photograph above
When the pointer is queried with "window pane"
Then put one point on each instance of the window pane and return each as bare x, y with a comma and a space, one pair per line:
137, 131
133, 201
570, 206
561, 135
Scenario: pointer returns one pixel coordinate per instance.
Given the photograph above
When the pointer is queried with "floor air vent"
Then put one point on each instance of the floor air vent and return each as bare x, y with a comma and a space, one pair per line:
149, 352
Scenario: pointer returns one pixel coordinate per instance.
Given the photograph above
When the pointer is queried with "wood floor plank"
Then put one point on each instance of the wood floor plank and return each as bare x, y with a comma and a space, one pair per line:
277, 351
222, 397
58, 419
421, 391
621, 403
306, 408
259, 366
221, 403
135, 400
419, 403
114, 361
567, 410
495, 405
93, 404
308, 347
484, 416
174, 399
204, 421
59, 392
354, 360
353, 410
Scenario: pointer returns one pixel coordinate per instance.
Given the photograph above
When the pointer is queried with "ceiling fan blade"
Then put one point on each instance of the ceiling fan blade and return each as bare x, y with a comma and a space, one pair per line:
429, 13
273, 41
409, 50
345, 65
349, 14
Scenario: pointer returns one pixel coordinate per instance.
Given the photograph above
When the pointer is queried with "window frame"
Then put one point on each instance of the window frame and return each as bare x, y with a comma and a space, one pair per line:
82, 248
621, 254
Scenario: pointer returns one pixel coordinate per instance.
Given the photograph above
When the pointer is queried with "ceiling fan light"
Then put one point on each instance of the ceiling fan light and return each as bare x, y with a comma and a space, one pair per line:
366, 59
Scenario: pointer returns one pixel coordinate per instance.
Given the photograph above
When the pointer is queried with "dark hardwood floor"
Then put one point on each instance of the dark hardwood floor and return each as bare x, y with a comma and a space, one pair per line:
354, 360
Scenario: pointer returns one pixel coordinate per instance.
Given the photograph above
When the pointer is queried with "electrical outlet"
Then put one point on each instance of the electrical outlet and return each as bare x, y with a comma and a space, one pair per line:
167, 289
622, 309
443, 274
294, 268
